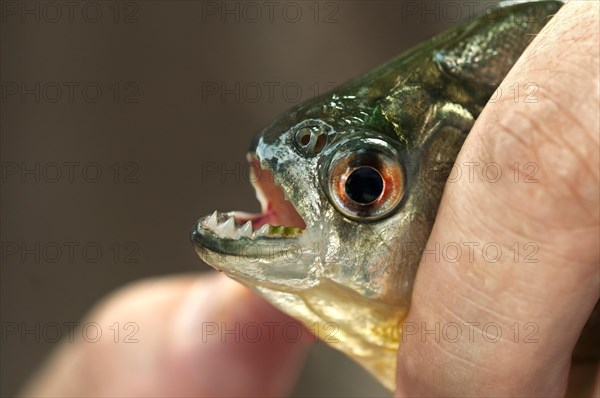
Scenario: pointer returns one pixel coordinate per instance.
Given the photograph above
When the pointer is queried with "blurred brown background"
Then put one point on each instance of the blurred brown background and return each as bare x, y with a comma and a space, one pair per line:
149, 93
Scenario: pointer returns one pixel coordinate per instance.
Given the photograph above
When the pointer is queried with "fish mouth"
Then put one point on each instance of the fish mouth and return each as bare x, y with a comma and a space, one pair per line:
241, 234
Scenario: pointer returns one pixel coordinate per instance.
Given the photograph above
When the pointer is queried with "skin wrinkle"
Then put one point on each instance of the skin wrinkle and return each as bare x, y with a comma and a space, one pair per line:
557, 138
522, 293
573, 185
477, 331
584, 134
456, 316
464, 359
505, 247
520, 237
514, 302
487, 299
522, 94
455, 212
545, 247
432, 360
566, 278
553, 34
493, 148
472, 303
463, 230
517, 137
565, 60
499, 142
584, 98
550, 192
493, 221
548, 137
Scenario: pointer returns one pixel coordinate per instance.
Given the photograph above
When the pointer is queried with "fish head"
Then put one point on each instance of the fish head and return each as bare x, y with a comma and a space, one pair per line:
331, 186
350, 182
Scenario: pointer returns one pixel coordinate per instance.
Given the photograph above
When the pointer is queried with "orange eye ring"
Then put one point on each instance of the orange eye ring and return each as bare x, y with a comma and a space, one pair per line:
366, 184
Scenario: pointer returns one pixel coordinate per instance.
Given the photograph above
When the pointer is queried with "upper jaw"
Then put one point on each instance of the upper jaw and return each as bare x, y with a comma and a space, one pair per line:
273, 249
232, 232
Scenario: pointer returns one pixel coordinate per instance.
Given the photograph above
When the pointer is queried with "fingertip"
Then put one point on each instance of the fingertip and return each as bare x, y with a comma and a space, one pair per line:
234, 343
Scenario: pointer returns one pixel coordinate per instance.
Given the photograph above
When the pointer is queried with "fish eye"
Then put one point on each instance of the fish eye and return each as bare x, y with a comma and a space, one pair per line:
366, 184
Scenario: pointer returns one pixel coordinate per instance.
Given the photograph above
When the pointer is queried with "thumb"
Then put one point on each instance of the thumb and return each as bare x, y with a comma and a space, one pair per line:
179, 336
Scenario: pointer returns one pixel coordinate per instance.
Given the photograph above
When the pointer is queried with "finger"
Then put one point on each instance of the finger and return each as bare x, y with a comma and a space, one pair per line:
180, 336
527, 277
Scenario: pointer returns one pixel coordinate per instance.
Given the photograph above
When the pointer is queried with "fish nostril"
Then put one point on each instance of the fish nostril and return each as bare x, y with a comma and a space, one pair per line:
320, 142
305, 140
310, 140
303, 137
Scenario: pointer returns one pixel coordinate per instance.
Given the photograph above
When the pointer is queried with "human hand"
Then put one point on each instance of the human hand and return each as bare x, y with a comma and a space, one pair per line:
559, 215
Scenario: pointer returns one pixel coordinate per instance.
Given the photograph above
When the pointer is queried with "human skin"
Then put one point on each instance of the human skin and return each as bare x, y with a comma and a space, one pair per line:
560, 214
173, 356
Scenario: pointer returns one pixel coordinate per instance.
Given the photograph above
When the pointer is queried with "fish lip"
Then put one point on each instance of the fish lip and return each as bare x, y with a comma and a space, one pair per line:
207, 242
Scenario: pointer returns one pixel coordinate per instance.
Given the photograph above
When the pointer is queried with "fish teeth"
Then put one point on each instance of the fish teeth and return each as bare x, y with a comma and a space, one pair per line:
230, 229
227, 229
246, 230
211, 222
262, 231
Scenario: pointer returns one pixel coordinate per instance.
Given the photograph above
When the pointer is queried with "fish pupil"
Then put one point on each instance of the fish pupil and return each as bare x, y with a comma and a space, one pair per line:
364, 185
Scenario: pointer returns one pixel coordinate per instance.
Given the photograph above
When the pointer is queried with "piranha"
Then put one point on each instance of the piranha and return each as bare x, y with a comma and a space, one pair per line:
350, 184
